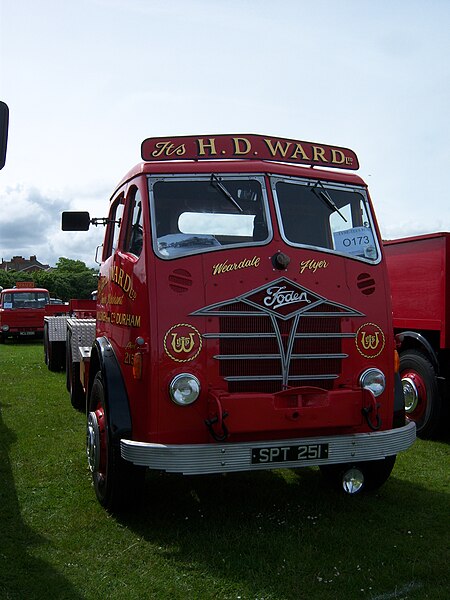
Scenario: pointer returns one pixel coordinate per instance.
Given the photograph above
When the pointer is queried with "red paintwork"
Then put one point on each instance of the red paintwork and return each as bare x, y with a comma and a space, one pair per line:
142, 288
82, 309
420, 282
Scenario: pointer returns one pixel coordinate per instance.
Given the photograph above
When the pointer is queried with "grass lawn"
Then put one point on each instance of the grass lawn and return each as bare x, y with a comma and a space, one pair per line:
280, 535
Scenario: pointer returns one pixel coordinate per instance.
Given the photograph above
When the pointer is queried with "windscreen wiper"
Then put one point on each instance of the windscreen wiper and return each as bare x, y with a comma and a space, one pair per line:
323, 194
217, 184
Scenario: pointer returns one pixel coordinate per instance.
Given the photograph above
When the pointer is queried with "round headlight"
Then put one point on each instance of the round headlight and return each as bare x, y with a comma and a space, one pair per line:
184, 389
373, 380
5, 327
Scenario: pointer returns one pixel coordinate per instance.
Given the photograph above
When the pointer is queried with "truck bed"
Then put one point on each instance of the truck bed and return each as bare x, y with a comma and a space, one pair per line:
420, 283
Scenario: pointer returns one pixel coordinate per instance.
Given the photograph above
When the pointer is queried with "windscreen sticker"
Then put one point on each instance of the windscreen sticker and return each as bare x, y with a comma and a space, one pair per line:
183, 342
357, 241
370, 340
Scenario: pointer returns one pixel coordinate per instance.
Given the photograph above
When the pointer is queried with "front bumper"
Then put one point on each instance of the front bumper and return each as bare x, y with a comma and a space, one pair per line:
195, 459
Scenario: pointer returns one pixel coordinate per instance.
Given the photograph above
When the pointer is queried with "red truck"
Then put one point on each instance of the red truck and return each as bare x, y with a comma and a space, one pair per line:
22, 311
243, 318
419, 269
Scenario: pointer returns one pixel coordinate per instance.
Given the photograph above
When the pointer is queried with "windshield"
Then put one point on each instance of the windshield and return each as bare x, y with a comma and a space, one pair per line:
325, 216
207, 213
25, 299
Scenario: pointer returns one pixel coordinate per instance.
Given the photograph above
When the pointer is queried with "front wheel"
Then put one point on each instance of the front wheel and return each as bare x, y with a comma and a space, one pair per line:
423, 403
116, 481
358, 477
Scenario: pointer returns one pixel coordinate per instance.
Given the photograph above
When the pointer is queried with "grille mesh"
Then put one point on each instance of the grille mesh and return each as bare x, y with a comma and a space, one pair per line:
255, 364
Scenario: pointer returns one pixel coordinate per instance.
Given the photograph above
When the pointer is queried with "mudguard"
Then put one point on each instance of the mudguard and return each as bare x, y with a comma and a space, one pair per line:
104, 359
412, 339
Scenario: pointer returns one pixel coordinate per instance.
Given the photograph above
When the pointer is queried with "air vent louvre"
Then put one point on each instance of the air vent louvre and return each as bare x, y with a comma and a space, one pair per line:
180, 280
365, 283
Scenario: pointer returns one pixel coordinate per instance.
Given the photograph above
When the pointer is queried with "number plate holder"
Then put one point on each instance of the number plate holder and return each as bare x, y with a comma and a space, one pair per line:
289, 453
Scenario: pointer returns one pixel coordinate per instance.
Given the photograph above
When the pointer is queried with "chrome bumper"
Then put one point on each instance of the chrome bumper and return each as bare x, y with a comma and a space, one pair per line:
195, 459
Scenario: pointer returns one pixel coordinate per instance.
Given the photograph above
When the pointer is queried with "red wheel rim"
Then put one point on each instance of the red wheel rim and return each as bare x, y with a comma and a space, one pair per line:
414, 388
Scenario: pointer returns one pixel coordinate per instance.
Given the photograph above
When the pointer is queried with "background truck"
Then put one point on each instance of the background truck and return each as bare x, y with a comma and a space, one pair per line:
419, 269
22, 311
243, 319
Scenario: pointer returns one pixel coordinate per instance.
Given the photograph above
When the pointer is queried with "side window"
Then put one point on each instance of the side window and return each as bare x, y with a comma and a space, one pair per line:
113, 231
134, 237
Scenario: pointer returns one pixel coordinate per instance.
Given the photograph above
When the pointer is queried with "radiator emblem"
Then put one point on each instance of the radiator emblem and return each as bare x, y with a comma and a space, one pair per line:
182, 343
370, 340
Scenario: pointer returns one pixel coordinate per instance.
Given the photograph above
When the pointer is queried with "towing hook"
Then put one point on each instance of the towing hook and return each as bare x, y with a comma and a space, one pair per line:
217, 415
366, 412
218, 437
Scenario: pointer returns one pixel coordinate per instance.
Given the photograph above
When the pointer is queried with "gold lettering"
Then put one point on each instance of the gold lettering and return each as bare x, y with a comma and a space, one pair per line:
167, 148
202, 146
245, 263
369, 342
127, 284
241, 146
161, 147
312, 265
277, 148
182, 343
299, 150
319, 153
337, 157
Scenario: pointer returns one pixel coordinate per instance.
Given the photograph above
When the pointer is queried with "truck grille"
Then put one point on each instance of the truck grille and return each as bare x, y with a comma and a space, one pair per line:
255, 364
262, 350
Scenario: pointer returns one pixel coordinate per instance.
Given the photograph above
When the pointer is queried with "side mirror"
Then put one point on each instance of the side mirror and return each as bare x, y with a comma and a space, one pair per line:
4, 120
75, 221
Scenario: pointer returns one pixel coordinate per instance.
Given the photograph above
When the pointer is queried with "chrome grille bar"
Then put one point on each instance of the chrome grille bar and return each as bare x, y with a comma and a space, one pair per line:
279, 377
277, 356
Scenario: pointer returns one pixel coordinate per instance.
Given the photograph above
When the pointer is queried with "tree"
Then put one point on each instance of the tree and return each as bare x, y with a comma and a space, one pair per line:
6, 280
69, 279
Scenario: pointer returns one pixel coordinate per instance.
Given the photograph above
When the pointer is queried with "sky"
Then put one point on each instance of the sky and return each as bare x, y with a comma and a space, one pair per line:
87, 81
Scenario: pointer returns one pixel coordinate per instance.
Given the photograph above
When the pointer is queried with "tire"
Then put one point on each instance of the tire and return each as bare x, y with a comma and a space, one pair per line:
423, 403
55, 356
73, 383
117, 482
46, 343
375, 472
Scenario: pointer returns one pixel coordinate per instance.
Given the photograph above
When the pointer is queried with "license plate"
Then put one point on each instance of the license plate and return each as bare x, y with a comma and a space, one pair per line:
286, 453
26, 333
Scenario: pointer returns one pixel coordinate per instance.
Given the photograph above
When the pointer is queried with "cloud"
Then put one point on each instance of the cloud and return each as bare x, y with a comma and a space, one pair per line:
30, 224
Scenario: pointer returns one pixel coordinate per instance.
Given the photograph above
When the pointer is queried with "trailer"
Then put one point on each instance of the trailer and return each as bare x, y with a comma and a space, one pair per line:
56, 331
419, 269
243, 319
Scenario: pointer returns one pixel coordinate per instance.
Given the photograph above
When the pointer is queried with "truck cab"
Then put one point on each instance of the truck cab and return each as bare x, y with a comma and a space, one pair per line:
22, 312
243, 318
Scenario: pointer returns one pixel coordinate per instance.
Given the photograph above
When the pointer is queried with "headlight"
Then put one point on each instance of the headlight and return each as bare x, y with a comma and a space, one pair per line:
373, 380
5, 327
184, 389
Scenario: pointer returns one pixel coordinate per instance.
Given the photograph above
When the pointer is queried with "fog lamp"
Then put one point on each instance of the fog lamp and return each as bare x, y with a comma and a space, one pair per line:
184, 389
373, 380
353, 480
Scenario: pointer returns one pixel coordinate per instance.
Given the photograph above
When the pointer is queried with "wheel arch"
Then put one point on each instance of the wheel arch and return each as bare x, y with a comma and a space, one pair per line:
103, 359
412, 340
